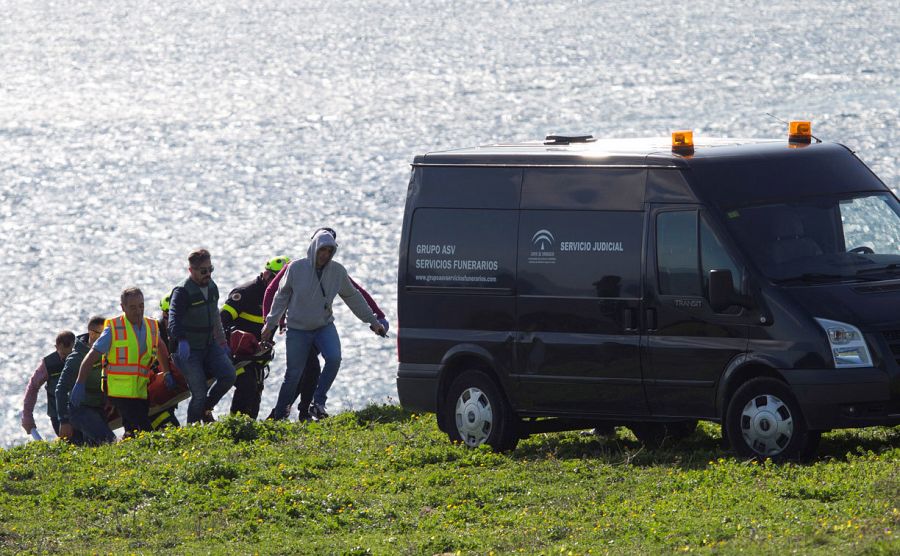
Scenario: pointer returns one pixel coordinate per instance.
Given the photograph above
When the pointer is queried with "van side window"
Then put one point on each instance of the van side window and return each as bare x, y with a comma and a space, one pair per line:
714, 256
676, 253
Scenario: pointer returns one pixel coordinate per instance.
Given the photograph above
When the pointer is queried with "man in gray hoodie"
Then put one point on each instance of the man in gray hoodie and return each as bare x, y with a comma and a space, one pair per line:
307, 292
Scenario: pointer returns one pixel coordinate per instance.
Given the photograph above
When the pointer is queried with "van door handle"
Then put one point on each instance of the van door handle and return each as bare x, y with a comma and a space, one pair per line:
650, 317
630, 319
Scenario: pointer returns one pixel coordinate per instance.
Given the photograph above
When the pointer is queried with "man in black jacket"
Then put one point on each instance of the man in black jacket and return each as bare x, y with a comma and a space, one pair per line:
243, 311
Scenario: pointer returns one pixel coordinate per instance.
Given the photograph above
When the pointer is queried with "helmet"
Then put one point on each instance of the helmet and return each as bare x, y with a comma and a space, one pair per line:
277, 263
164, 302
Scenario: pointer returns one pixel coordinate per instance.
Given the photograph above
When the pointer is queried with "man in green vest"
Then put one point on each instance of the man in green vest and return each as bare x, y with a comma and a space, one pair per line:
47, 373
195, 327
128, 346
86, 422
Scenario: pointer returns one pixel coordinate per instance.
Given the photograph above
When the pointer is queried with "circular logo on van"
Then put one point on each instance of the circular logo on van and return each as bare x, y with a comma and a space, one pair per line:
543, 240
543, 247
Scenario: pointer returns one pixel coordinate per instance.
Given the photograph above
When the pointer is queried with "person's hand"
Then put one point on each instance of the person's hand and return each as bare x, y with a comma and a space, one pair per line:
184, 350
66, 432
384, 323
378, 328
169, 379
77, 395
28, 425
265, 337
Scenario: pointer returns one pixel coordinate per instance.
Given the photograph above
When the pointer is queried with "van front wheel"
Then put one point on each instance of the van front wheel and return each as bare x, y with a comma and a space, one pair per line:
476, 413
764, 420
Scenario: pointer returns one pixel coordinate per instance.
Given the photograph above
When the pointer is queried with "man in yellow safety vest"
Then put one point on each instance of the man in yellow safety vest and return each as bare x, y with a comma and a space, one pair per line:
129, 345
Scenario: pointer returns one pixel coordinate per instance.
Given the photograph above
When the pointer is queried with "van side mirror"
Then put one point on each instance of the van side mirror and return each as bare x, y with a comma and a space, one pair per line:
722, 294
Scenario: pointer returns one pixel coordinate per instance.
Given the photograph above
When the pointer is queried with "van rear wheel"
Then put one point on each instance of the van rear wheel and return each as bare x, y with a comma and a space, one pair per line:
475, 413
764, 420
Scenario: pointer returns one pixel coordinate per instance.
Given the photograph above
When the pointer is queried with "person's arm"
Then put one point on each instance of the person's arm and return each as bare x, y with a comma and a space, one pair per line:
89, 361
162, 355
230, 309
38, 378
178, 306
219, 331
279, 302
271, 290
65, 384
372, 305
356, 302
269, 296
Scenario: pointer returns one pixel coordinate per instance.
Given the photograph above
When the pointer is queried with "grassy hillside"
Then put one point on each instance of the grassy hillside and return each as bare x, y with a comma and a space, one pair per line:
383, 481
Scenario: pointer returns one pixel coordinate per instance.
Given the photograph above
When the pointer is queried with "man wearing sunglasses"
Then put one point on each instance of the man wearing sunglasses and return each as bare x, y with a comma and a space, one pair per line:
195, 327
305, 295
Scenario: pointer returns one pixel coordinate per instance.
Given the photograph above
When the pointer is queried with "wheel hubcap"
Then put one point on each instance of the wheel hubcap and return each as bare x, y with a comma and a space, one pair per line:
767, 425
474, 416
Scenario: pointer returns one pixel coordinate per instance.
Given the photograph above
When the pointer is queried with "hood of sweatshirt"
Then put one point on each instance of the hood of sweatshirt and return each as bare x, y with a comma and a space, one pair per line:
320, 240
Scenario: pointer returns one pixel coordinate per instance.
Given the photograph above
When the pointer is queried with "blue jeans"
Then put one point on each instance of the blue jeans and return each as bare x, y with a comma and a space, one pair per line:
297, 348
214, 362
91, 423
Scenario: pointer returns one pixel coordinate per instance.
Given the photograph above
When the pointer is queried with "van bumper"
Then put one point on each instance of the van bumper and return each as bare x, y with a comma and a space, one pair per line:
417, 386
845, 398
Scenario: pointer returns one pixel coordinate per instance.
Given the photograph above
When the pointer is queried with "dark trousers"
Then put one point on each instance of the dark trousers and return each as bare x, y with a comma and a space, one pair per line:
308, 381
248, 388
54, 420
134, 414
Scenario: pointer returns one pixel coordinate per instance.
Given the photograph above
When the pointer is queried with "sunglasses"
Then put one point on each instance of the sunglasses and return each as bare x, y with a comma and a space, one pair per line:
204, 270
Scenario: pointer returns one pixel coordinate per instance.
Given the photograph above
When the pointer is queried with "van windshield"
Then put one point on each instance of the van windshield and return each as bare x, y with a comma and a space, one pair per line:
828, 238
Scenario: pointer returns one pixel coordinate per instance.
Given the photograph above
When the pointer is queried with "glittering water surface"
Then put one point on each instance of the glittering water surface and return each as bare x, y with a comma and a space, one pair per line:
131, 133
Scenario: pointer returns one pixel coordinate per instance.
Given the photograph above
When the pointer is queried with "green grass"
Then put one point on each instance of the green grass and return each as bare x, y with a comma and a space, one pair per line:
383, 481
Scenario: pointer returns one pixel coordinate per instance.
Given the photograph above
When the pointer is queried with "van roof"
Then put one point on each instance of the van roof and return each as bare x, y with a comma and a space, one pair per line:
649, 151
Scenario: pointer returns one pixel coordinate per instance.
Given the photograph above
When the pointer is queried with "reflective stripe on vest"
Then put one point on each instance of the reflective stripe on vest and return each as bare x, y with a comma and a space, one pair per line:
126, 370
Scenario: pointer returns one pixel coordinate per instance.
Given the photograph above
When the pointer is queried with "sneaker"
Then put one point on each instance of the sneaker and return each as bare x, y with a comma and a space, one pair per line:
303, 417
207, 416
317, 411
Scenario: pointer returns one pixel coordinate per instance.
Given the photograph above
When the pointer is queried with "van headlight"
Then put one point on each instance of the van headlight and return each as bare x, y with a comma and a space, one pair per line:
848, 347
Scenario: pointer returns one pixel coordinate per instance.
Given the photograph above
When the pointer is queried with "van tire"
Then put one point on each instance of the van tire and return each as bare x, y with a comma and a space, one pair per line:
654, 434
764, 421
475, 413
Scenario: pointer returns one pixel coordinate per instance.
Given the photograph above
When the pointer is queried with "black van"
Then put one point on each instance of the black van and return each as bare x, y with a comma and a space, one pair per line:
575, 282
